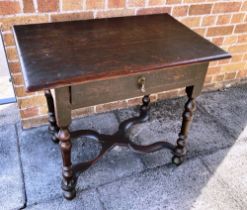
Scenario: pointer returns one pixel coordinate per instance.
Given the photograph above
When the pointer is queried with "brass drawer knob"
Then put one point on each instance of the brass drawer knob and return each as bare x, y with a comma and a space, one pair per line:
141, 84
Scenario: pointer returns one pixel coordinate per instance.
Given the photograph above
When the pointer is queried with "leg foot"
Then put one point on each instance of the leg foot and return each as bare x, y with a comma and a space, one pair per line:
180, 150
53, 128
177, 160
69, 191
68, 181
145, 107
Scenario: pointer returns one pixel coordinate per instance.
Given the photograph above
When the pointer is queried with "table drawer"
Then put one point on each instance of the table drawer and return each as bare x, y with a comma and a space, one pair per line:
103, 91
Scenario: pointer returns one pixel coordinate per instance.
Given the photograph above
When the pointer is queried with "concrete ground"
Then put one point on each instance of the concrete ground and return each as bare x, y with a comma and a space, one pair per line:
214, 176
6, 88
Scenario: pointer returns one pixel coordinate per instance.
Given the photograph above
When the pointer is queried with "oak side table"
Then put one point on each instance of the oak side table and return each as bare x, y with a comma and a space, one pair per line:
90, 62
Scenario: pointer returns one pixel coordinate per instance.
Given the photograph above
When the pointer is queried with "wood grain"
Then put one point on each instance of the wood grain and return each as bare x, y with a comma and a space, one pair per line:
59, 54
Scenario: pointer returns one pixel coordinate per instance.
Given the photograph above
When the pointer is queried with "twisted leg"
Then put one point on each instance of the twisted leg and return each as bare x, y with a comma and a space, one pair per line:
69, 181
127, 124
145, 107
180, 150
53, 128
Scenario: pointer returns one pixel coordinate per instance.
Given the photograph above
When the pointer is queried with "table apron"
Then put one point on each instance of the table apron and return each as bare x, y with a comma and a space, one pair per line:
109, 90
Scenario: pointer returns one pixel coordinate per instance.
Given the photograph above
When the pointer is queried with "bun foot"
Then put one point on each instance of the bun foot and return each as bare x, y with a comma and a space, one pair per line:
69, 191
177, 160
69, 195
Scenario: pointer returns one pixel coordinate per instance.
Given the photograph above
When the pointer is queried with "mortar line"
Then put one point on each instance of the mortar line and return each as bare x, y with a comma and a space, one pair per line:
101, 202
21, 167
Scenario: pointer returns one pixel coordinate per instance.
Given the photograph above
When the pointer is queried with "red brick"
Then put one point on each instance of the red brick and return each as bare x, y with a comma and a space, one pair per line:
244, 7
224, 61
180, 11
72, 5
200, 31
245, 57
233, 67
154, 10
191, 21
21, 92
226, 7
223, 19
9, 7
230, 40
95, 4
43, 110
8, 39
138, 100
230, 76
200, 9
218, 41
238, 48
236, 58
136, 3
17, 79
241, 74
48, 5
238, 18
213, 63
34, 121
28, 6
14, 67
242, 28
242, 38
213, 70
115, 13
111, 106
193, 1
83, 112
208, 79
220, 30
19, 20
116, 3
218, 78
71, 16
168, 94
173, 1
208, 20
156, 2
31, 101
29, 112
11, 53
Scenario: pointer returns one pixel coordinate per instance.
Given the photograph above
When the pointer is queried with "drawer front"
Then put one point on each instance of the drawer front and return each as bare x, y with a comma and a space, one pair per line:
104, 91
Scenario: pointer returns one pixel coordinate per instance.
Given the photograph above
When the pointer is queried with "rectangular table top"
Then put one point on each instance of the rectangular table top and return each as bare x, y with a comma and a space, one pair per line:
60, 54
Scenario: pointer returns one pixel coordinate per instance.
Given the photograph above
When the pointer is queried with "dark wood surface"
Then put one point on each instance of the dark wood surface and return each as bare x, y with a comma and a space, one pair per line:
59, 54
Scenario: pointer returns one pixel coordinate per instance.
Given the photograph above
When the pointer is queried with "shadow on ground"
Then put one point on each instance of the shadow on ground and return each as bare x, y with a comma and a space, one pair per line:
214, 175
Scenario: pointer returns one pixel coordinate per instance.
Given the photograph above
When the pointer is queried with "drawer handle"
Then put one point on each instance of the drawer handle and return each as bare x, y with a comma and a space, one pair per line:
141, 83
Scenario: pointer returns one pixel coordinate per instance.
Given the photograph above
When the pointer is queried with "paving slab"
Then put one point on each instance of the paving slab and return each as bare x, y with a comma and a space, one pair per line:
41, 165
230, 166
88, 200
12, 195
187, 187
105, 123
228, 106
42, 162
206, 134
118, 163
9, 114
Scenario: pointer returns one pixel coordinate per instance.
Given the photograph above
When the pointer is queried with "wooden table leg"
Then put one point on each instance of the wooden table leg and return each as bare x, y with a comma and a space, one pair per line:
190, 106
63, 118
53, 128
68, 181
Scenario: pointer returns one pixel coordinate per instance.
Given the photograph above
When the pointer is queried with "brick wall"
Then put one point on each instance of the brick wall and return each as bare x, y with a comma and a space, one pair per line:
224, 22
